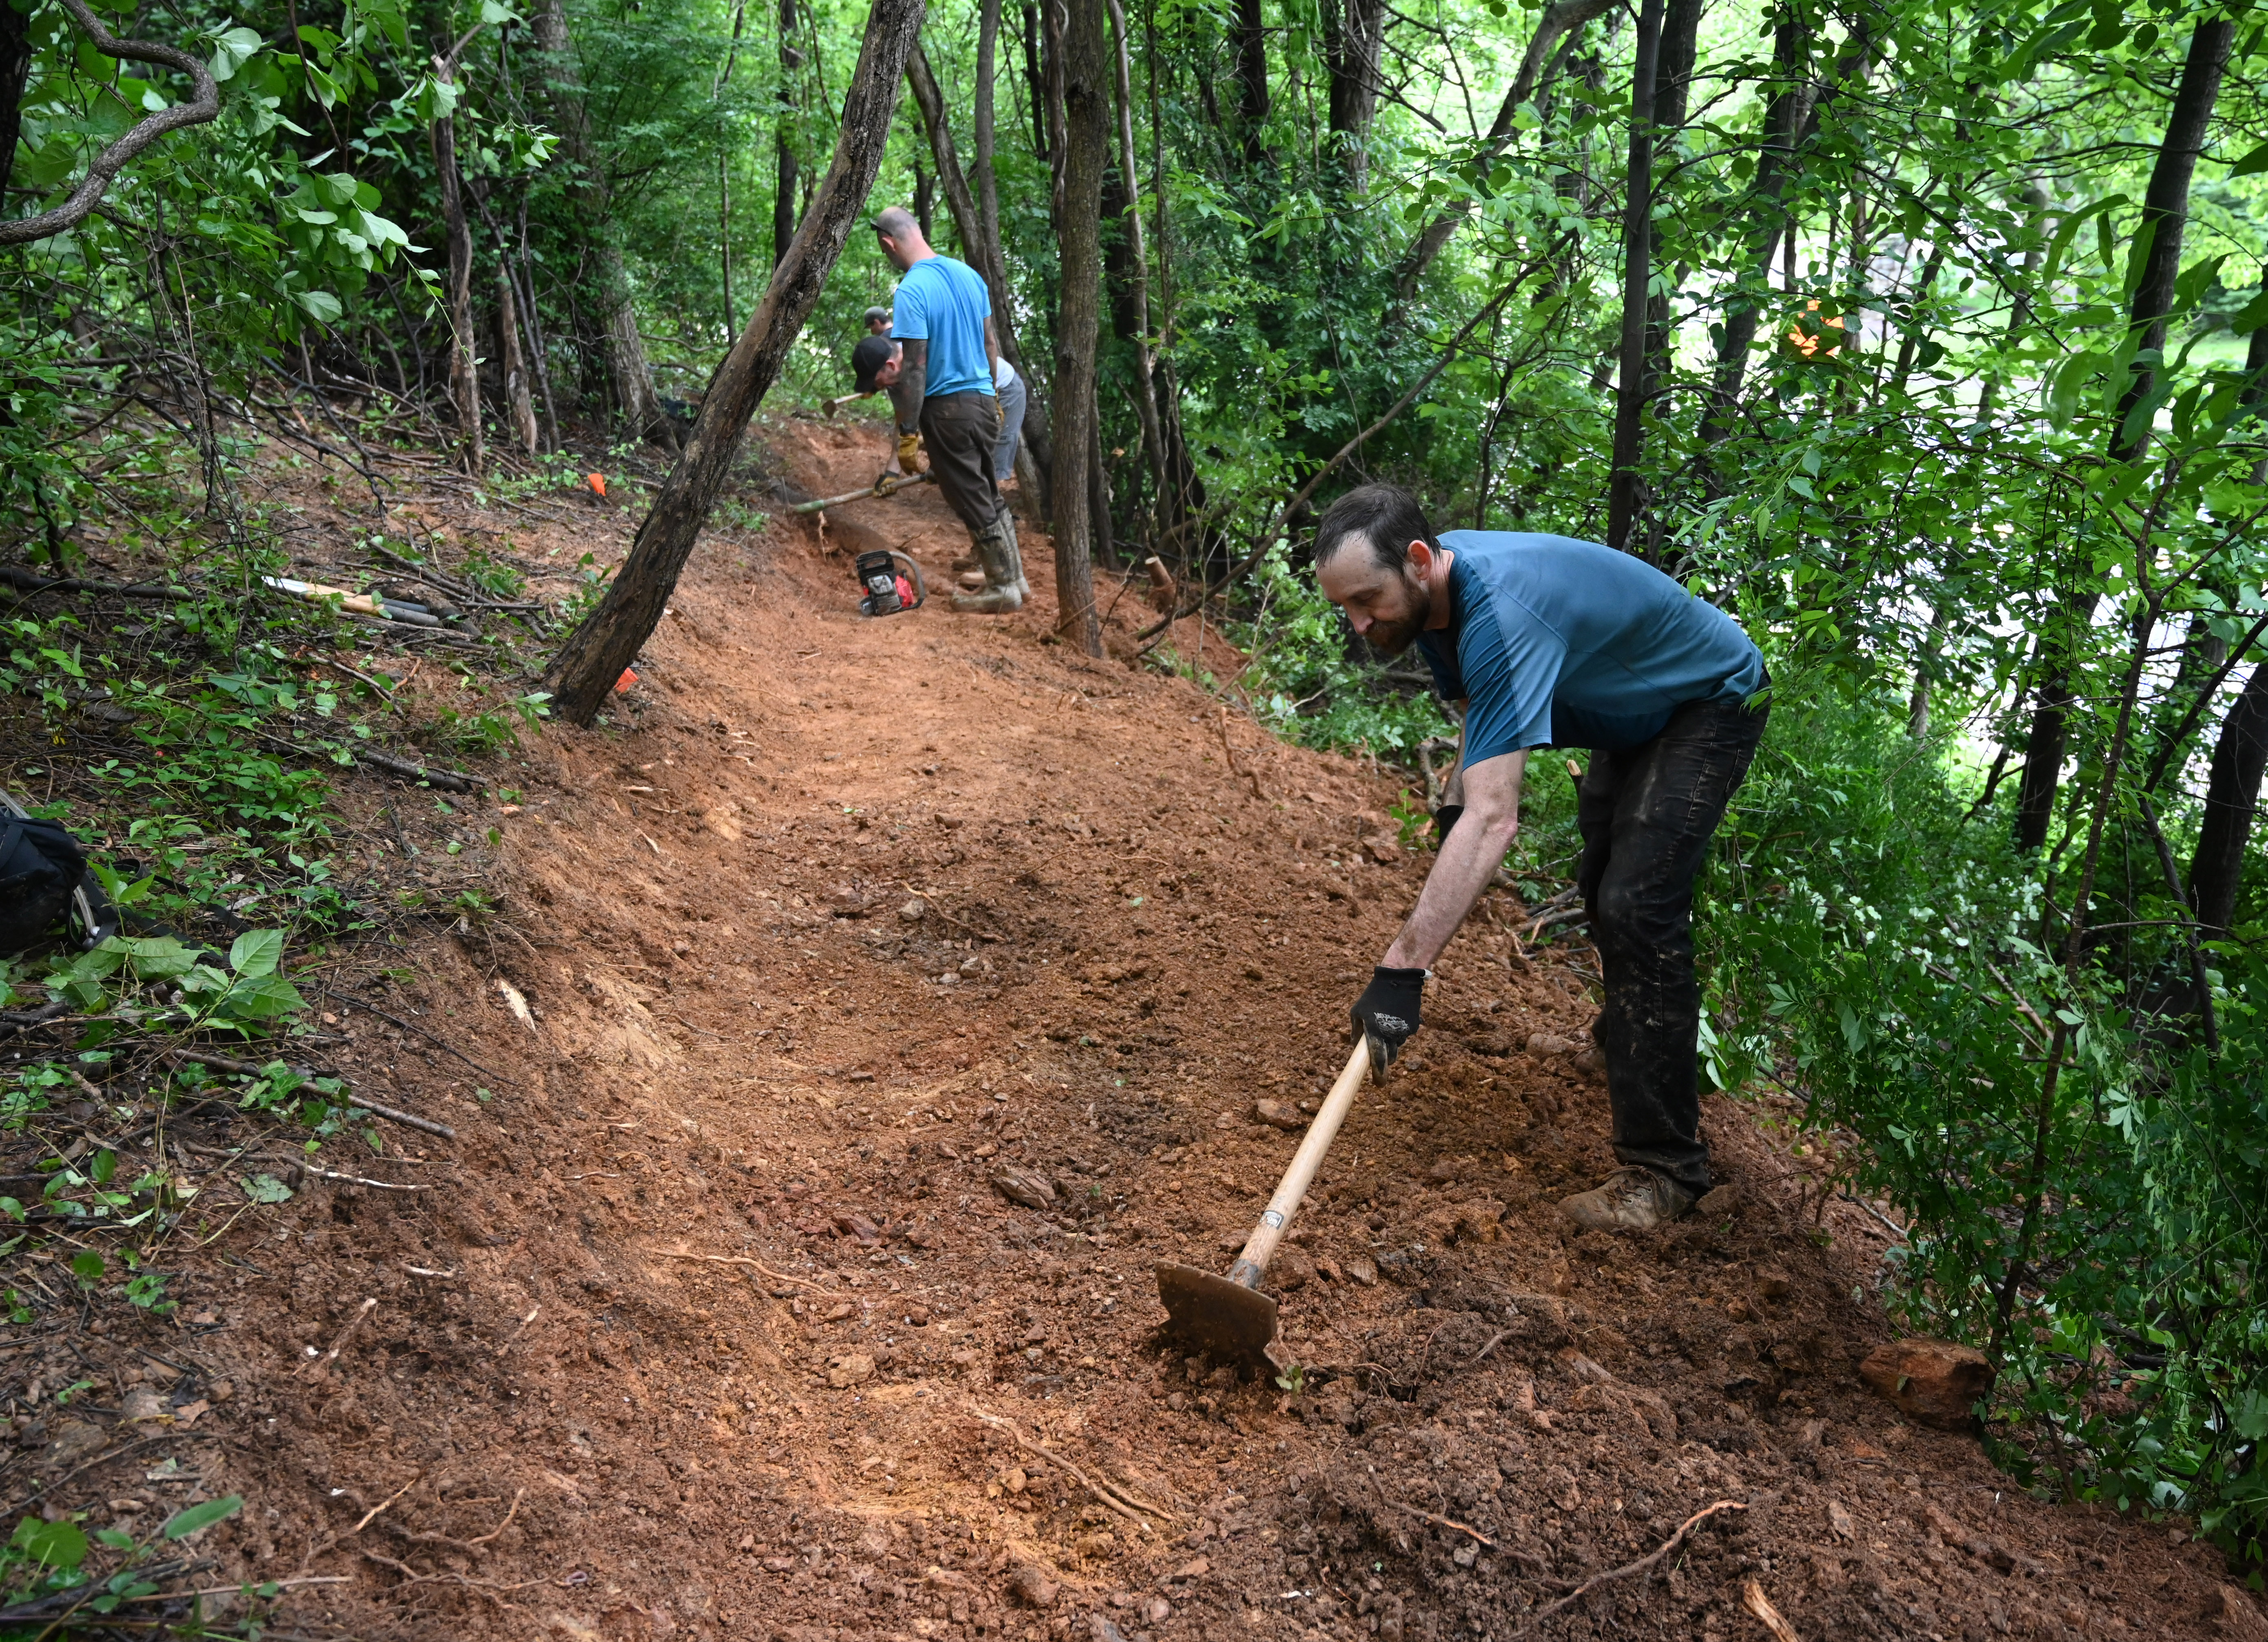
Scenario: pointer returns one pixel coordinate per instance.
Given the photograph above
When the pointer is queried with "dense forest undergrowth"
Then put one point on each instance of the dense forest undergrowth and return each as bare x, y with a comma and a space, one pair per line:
372, 373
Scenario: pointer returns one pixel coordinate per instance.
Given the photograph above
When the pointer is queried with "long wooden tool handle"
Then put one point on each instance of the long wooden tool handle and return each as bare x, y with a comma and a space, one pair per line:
1260, 1247
874, 490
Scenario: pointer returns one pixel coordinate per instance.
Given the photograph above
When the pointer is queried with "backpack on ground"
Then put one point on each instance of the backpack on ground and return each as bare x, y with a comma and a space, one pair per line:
44, 879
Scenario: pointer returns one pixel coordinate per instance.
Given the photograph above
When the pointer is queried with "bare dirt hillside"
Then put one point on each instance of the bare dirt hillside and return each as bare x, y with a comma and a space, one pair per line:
895, 993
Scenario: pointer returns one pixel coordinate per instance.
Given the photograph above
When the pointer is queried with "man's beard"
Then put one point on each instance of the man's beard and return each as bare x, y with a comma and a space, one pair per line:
1392, 637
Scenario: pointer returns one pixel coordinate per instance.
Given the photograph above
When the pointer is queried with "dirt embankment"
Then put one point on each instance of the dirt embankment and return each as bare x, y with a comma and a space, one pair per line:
716, 1323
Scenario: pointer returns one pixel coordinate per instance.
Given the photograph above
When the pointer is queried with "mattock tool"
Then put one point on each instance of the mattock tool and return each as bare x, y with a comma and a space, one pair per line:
1229, 1315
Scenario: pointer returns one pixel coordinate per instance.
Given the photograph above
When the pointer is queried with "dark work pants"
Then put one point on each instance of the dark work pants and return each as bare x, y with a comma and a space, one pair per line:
958, 431
1646, 814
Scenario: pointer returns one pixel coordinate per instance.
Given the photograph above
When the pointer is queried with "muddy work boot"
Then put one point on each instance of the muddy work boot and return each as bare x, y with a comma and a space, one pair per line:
1015, 553
1630, 1200
1001, 594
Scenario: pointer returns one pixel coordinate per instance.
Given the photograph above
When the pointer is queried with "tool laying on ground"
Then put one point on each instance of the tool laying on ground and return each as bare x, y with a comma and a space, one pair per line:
889, 590
1228, 1316
885, 484
410, 611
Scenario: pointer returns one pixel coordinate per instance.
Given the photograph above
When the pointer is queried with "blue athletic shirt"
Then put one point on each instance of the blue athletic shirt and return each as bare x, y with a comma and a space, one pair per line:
945, 302
1566, 643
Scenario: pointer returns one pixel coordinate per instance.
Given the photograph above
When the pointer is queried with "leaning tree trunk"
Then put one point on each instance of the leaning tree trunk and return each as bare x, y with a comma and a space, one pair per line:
609, 285
1082, 71
1623, 486
2232, 795
2165, 212
596, 654
464, 371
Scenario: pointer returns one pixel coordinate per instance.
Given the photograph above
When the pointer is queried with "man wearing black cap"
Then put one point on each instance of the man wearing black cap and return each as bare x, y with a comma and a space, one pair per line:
938, 366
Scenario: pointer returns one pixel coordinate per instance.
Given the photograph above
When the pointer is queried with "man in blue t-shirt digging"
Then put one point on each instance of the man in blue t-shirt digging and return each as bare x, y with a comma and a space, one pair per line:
1550, 642
939, 377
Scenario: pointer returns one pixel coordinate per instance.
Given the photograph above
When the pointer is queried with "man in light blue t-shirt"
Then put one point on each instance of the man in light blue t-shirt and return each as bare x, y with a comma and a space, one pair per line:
1547, 641
941, 320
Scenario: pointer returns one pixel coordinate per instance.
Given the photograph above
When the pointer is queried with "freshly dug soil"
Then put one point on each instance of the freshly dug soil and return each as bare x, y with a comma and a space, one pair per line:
898, 992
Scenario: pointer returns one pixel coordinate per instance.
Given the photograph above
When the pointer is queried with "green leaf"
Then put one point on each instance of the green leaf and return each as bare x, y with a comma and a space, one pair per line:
256, 953
53, 1544
105, 1165
203, 1516
319, 305
2255, 162
89, 1266
2067, 382
233, 50
267, 1188
112, 1538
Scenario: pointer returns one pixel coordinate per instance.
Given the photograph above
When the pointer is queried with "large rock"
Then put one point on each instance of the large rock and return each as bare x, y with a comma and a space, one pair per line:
1935, 1381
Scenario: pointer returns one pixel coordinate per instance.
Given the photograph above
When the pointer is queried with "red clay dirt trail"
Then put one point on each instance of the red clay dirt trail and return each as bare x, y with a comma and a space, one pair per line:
726, 1322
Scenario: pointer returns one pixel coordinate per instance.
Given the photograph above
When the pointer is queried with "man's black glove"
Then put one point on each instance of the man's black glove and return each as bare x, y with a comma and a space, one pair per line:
1444, 819
1386, 1014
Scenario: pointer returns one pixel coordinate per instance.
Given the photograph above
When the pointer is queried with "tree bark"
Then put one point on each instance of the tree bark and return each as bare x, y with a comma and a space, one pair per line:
519, 402
1623, 486
609, 283
595, 654
2165, 212
1083, 72
1252, 80
1560, 19
464, 371
982, 245
1788, 114
988, 185
15, 69
1673, 81
1145, 385
1035, 83
2232, 795
784, 201
1354, 33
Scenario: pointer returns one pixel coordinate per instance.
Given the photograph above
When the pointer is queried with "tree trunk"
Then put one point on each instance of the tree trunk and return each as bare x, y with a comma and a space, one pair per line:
15, 69
1252, 79
983, 248
1035, 83
517, 401
464, 371
584, 670
609, 283
2232, 794
1560, 19
2158, 241
1623, 487
988, 185
1354, 33
1673, 80
1082, 70
1145, 385
783, 189
539, 354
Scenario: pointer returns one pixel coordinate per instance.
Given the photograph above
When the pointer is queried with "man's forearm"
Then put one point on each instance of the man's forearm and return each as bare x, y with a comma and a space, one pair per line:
1468, 858
906, 400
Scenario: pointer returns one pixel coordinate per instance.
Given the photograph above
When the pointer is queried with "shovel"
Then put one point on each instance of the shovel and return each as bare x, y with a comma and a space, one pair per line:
1228, 1316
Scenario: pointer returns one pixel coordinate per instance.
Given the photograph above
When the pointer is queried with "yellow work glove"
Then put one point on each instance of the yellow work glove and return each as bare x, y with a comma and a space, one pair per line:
909, 454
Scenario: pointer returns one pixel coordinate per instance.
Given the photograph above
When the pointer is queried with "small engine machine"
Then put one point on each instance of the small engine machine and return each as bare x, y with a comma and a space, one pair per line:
889, 584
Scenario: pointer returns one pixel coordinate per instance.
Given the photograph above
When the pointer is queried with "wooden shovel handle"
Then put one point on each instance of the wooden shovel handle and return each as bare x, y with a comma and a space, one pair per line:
1260, 1247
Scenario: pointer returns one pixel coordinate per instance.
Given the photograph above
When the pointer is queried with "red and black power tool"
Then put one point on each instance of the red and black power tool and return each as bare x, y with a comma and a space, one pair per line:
890, 584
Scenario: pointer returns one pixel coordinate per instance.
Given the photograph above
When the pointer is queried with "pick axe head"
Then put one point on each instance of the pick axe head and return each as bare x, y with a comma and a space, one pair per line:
1214, 1314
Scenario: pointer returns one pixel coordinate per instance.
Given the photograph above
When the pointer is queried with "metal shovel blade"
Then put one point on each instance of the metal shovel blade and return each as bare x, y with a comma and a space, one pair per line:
1217, 1316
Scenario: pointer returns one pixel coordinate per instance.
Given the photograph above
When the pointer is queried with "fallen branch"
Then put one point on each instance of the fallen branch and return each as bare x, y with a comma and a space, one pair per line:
244, 1068
356, 1180
25, 581
1121, 1503
1650, 1560
447, 779
1753, 1599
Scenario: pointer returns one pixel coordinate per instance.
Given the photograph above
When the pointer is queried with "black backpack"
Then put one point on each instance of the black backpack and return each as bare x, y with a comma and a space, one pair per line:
43, 875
